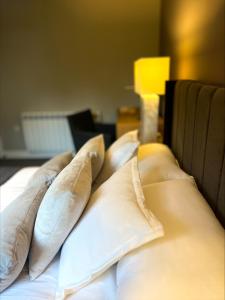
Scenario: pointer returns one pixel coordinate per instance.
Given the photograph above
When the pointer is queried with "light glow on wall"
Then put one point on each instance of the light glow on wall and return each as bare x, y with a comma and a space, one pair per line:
193, 34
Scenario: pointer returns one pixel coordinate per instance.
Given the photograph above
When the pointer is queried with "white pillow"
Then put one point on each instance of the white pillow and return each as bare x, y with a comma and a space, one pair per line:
17, 219
188, 262
153, 149
115, 222
59, 211
95, 148
157, 163
122, 150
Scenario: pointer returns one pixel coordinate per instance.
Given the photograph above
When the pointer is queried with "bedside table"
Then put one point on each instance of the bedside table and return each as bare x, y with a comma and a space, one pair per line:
128, 119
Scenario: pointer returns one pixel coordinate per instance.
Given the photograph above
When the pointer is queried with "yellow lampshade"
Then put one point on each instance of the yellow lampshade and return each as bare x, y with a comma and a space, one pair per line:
150, 75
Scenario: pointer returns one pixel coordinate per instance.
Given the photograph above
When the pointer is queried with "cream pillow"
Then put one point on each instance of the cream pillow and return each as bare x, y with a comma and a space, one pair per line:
17, 219
153, 149
122, 150
115, 222
59, 211
95, 148
188, 262
157, 163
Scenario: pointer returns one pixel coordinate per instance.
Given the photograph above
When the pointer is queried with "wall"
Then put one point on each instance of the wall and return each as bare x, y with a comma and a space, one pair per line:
69, 55
192, 33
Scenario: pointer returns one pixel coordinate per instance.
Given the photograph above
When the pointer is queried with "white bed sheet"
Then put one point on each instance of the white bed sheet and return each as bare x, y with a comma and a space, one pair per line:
45, 286
15, 186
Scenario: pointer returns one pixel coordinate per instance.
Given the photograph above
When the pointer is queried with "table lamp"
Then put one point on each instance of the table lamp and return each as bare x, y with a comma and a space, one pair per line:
150, 75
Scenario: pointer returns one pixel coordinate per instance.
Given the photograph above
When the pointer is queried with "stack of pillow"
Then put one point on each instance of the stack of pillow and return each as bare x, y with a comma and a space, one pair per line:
53, 202
96, 206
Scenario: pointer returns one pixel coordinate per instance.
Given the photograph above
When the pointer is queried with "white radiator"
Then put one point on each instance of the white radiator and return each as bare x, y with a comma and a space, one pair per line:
47, 132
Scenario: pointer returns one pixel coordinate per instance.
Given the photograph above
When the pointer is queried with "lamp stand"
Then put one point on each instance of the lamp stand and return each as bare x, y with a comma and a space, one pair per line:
149, 118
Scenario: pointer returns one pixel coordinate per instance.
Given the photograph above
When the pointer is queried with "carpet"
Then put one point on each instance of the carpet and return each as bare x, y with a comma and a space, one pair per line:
7, 172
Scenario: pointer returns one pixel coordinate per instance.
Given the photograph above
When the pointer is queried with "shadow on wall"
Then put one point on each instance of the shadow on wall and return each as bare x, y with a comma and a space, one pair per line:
71, 55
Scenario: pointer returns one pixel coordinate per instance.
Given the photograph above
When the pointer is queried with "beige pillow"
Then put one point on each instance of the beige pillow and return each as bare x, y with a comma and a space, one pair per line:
117, 155
95, 148
152, 149
17, 220
59, 211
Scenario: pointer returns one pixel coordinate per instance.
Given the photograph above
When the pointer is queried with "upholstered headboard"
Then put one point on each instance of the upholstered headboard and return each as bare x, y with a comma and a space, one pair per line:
195, 131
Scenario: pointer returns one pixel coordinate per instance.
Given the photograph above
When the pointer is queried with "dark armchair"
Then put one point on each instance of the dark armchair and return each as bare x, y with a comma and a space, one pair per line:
83, 128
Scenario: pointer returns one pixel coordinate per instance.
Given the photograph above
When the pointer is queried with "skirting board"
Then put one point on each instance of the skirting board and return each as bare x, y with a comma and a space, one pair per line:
23, 154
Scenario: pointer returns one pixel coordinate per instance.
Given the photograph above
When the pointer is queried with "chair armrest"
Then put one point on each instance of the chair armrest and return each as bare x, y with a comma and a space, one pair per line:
105, 128
81, 137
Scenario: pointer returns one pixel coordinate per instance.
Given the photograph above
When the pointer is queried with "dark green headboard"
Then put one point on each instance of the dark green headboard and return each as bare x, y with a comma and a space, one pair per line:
195, 131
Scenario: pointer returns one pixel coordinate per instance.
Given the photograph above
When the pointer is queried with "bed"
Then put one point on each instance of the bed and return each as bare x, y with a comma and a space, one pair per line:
188, 262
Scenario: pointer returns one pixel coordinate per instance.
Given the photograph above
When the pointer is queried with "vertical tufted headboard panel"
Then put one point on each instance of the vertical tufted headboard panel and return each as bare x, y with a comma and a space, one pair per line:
195, 116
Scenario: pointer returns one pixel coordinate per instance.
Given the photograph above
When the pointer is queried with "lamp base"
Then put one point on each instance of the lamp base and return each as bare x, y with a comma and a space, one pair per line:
149, 118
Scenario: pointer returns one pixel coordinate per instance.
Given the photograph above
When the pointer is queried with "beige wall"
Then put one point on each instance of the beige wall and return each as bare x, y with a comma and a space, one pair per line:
69, 55
192, 33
